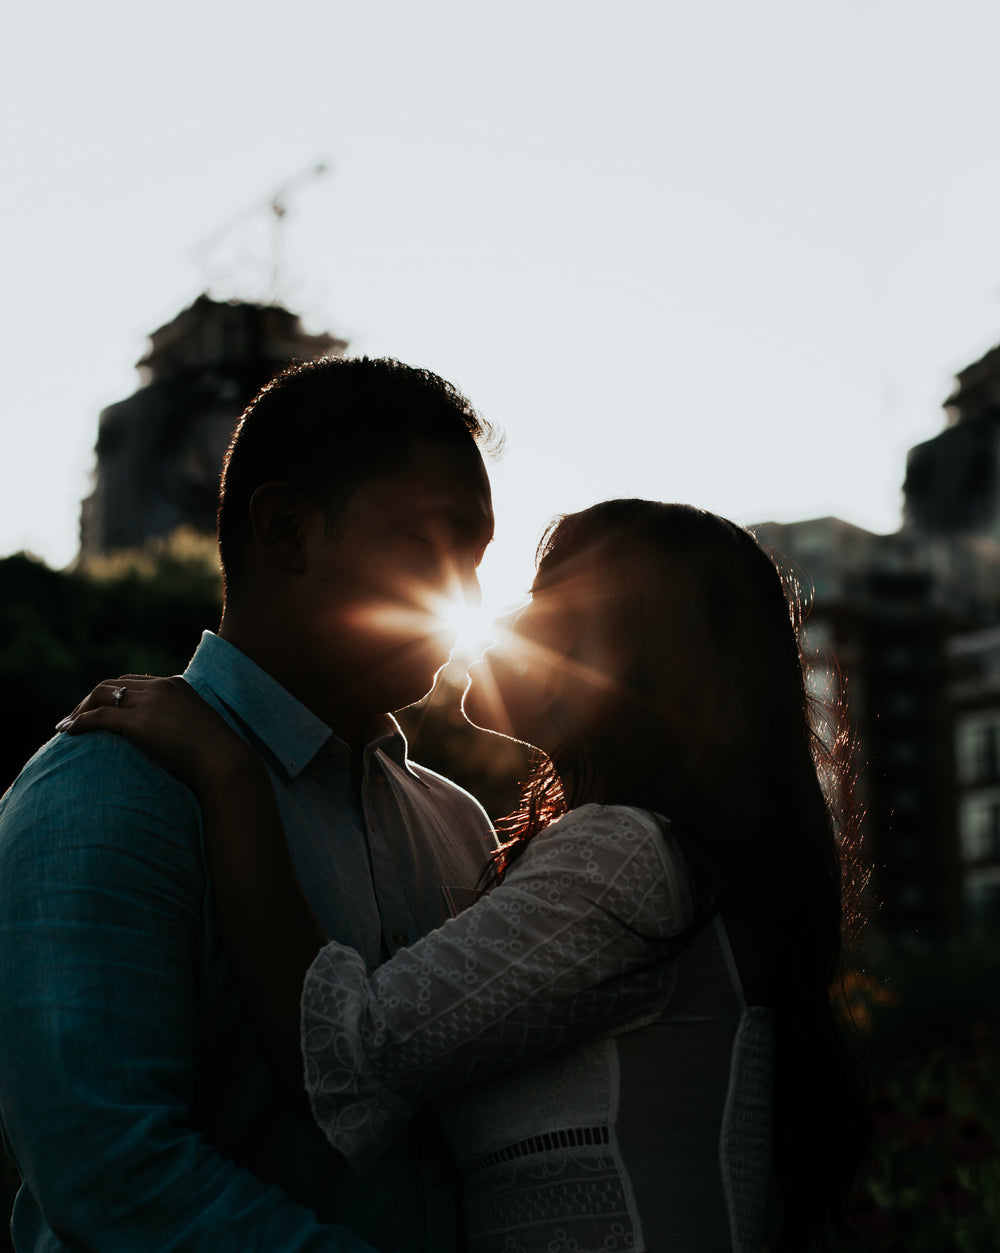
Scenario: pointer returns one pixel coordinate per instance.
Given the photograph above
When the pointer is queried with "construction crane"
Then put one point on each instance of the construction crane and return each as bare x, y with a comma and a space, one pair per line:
276, 206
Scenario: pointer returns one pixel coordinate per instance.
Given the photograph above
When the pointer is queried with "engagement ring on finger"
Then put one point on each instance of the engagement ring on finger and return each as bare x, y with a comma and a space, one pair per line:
118, 694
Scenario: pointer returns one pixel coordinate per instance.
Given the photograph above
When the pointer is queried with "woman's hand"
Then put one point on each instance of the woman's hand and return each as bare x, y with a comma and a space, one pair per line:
170, 722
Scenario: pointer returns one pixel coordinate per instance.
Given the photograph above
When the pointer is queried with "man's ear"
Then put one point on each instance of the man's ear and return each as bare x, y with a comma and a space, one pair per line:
280, 516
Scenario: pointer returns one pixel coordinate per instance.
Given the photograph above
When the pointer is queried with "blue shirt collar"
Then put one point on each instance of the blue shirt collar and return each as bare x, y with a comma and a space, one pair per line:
282, 723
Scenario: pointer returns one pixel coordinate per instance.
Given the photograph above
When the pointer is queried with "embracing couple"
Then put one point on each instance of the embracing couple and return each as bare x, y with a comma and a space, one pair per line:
268, 984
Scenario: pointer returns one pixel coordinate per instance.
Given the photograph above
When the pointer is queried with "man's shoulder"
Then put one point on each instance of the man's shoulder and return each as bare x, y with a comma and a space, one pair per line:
90, 773
90, 821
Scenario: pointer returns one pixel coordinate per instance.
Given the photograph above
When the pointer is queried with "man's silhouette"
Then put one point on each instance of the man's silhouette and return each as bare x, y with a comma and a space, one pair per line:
134, 1100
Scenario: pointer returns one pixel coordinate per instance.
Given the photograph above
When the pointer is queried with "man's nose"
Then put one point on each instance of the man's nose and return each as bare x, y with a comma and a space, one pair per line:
467, 583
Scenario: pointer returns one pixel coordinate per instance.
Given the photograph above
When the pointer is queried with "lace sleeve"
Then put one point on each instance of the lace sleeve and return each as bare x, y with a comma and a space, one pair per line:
565, 949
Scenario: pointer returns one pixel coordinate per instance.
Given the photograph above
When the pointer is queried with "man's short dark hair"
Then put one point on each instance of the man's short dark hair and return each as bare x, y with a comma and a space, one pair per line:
327, 426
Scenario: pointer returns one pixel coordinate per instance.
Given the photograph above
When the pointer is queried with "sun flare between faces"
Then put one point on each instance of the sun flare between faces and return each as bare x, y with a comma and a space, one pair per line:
474, 627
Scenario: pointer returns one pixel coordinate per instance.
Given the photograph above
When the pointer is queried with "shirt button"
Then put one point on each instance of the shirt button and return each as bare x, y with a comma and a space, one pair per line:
400, 938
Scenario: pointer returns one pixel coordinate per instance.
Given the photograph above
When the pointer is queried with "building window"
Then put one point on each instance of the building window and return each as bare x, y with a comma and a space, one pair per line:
903, 752
979, 827
905, 800
912, 895
977, 748
981, 893
899, 657
901, 701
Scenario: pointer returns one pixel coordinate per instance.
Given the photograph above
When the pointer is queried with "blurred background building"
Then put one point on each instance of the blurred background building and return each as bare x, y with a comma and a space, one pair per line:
952, 482
159, 451
912, 621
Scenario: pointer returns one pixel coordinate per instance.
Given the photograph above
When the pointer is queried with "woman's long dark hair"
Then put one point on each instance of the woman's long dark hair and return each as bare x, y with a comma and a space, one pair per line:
708, 722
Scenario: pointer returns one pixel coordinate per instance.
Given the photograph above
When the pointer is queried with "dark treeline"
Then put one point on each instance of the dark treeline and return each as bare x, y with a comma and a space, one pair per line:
62, 631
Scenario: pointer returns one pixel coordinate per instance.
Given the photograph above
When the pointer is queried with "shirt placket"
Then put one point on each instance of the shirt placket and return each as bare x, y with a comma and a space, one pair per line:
386, 825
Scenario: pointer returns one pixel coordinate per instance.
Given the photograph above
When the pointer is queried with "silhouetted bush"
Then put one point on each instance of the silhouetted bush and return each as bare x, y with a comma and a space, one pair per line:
931, 1028
62, 631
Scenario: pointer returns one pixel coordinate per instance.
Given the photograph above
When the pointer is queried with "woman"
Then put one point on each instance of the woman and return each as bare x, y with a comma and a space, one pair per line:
628, 1032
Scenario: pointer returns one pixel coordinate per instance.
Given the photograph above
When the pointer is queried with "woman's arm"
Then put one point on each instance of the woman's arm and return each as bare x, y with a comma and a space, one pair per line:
269, 929
574, 944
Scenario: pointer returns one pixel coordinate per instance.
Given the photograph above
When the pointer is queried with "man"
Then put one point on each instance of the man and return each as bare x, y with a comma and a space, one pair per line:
134, 1100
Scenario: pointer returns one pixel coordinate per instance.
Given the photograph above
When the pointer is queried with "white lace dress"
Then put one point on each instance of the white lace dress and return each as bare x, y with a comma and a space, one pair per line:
596, 1097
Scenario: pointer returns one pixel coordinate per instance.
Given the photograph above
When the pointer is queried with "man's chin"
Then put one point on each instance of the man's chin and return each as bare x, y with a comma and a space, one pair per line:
412, 673
417, 692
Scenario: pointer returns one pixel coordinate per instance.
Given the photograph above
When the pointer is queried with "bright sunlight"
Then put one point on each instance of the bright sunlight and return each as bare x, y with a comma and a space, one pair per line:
474, 626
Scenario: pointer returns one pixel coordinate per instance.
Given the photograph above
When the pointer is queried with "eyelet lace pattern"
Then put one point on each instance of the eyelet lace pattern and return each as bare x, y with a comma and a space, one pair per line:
540, 975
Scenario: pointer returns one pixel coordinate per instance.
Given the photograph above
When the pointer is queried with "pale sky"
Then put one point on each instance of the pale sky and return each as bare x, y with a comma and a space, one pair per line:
723, 252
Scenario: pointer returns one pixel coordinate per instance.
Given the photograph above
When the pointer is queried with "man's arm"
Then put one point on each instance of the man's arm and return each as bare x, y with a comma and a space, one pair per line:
102, 885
